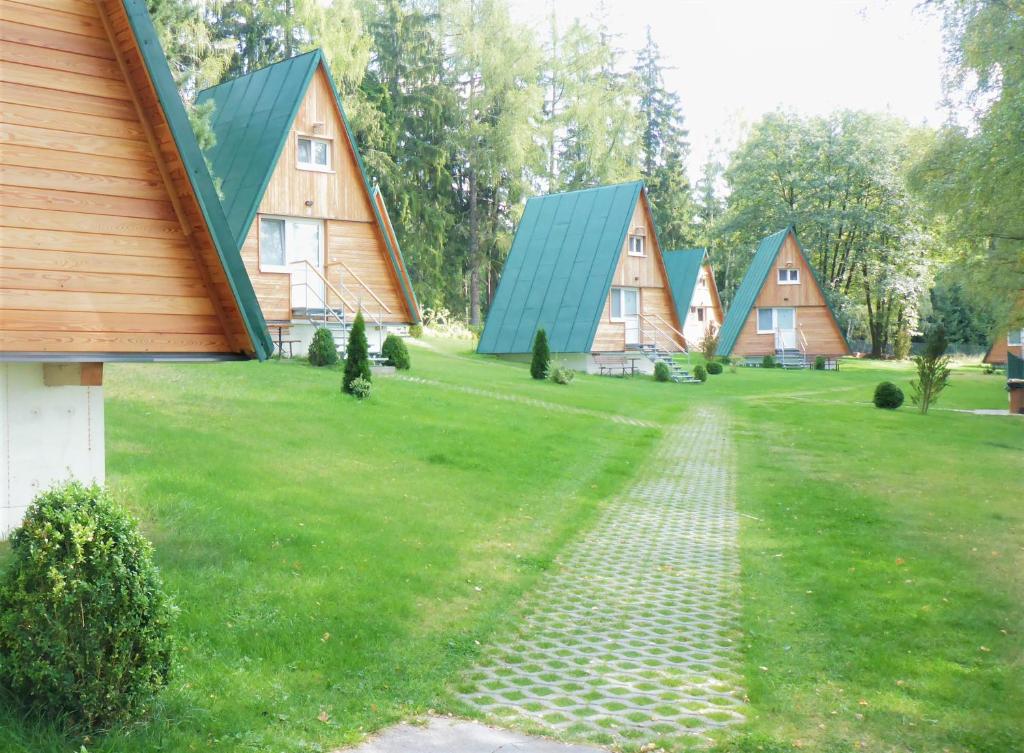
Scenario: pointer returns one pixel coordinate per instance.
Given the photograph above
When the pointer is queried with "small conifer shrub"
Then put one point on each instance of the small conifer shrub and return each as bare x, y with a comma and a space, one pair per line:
768, 362
322, 350
357, 360
395, 351
661, 372
888, 396
360, 388
700, 373
541, 355
714, 367
819, 363
84, 621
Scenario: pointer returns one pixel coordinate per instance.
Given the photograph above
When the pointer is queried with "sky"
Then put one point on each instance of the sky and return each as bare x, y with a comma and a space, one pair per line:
734, 60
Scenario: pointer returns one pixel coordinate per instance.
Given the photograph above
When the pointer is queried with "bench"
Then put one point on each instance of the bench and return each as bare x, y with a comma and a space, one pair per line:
284, 337
614, 365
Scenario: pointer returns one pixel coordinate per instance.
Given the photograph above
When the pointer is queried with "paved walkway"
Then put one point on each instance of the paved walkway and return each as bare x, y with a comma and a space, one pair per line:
442, 735
522, 400
633, 638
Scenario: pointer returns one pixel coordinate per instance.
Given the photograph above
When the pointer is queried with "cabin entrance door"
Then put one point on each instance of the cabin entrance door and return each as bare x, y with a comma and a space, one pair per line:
626, 309
785, 328
306, 263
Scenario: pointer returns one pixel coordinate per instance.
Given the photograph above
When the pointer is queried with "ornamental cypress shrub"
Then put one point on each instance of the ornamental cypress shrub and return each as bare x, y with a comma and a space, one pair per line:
396, 352
768, 362
322, 350
357, 360
699, 372
888, 396
819, 363
84, 621
541, 355
661, 372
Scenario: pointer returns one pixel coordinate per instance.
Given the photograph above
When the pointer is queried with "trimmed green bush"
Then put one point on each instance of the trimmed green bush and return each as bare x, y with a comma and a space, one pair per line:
661, 372
714, 367
725, 360
562, 375
541, 355
322, 350
819, 363
396, 352
357, 359
699, 372
888, 396
84, 621
360, 388
768, 362
416, 330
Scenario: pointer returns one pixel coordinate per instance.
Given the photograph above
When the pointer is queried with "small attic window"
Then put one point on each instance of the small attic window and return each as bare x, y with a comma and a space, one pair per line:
313, 154
1016, 337
789, 276
636, 244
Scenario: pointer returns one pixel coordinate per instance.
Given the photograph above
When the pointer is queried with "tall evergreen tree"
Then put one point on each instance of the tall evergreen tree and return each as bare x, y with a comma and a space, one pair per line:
664, 150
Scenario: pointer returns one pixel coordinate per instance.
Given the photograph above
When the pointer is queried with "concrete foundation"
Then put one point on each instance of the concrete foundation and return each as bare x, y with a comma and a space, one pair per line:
585, 362
48, 434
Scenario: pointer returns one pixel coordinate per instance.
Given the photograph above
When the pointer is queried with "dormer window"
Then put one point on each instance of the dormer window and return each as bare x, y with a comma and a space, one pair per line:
313, 154
637, 242
789, 276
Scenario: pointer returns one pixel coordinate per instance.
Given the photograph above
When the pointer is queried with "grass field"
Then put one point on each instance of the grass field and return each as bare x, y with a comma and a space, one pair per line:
336, 562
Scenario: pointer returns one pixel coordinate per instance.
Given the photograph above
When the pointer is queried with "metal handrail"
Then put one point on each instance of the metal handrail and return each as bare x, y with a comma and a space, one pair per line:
326, 306
366, 287
803, 340
646, 318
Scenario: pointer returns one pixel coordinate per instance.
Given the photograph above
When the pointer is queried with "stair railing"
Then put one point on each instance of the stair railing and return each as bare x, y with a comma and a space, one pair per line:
377, 315
306, 266
668, 334
803, 340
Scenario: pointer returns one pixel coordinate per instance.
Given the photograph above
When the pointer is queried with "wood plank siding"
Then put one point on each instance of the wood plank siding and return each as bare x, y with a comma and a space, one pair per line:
813, 316
645, 272
354, 243
103, 245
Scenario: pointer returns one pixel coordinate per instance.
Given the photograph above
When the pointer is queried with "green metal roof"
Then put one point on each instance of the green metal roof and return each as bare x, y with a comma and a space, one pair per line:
1014, 366
683, 269
251, 120
199, 176
252, 117
559, 270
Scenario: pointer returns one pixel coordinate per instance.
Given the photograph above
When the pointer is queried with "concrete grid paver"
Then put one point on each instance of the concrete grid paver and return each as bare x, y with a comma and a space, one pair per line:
634, 637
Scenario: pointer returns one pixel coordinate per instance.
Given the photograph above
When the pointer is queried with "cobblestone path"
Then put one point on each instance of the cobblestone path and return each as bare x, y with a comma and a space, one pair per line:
633, 638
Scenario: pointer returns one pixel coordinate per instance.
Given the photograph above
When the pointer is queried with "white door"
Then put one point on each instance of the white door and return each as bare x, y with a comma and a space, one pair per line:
305, 244
626, 309
785, 327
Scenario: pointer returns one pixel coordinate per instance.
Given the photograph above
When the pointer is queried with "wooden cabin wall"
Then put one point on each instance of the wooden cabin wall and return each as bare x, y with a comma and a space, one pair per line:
340, 199
813, 315
94, 256
998, 353
645, 272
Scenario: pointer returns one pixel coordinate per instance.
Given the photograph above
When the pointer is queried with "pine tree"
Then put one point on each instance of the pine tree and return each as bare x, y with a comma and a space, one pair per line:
541, 355
357, 359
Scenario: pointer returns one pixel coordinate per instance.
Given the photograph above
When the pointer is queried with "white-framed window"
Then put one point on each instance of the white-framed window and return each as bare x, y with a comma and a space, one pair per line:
284, 241
313, 154
1016, 337
789, 276
776, 319
637, 245
625, 303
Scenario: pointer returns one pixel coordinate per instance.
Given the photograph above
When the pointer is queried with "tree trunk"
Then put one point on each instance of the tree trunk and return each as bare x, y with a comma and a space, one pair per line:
474, 251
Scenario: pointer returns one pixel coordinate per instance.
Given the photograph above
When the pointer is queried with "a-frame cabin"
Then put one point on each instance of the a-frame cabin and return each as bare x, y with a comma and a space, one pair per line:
781, 310
113, 243
695, 292
314, 235
1002, 346
586, 267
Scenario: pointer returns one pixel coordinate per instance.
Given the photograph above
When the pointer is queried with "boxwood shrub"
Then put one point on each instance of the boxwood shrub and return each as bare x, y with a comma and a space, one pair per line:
768, 362
700, 373
322, 350
395, 352
888, 396
84, 621
661, 372
714, 367
819, 363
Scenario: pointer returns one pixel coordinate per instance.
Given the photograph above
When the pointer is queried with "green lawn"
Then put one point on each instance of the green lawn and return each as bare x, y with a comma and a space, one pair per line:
332, 556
